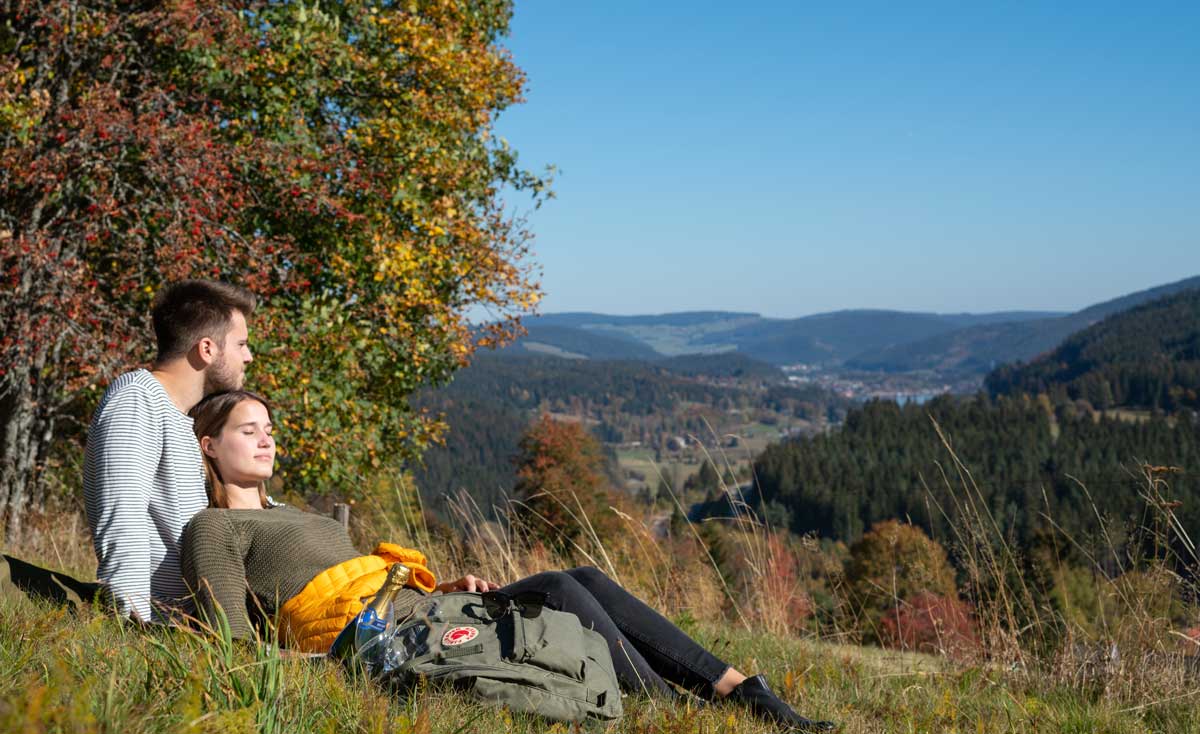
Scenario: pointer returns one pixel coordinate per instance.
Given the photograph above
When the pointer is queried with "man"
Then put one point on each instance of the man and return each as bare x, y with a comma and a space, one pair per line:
143, 477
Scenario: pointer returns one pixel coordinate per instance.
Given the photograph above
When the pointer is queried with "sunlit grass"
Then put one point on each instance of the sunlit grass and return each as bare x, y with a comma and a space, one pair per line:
66, 671
85, 671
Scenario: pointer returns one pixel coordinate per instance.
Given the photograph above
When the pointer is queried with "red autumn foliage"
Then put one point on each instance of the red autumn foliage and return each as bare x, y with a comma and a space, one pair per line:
928, 622
1190, 644
109, 185
336, 159
561, 484
782, 589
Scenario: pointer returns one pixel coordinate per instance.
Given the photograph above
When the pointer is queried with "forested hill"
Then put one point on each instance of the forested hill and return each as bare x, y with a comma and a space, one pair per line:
1147, 357
980, 348
888, 462
492, 402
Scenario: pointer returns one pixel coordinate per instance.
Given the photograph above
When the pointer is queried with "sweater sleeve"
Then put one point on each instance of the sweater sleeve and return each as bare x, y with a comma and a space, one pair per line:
123, 452
214, 568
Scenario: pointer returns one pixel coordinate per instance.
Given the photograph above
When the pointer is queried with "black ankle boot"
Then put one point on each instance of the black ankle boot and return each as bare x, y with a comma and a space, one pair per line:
759, 698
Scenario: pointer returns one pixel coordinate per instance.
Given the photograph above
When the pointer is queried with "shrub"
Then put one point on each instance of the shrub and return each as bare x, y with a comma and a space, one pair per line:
932, 623
891, 564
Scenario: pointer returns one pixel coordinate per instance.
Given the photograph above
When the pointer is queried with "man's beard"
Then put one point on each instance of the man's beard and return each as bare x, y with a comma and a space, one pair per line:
220, 376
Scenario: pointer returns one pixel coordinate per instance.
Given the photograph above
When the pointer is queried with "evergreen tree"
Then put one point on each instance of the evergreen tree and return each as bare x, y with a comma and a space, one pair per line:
705, 481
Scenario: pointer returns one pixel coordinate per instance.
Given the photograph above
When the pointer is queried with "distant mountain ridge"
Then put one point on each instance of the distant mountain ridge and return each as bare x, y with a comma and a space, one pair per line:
680, 318
840, 335
825, 338
820, 338
983, 347
872, 340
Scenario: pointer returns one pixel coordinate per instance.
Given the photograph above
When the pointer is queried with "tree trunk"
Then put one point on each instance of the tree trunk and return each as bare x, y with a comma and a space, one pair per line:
27, 433
47, 391
16, 460
40, 451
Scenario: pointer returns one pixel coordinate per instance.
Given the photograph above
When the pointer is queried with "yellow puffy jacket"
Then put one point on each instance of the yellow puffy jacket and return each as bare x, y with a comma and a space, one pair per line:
310, 620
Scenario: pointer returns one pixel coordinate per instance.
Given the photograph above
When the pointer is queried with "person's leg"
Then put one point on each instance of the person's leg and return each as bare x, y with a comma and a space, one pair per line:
565, 594
680, 659
670, 651
22, 579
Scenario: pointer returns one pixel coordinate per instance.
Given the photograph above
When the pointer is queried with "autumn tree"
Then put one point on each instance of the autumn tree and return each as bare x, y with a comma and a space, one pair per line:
338, 160
561, 485
891, 564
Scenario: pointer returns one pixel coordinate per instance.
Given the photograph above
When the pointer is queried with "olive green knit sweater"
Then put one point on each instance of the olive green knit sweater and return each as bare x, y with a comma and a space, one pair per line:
246, 560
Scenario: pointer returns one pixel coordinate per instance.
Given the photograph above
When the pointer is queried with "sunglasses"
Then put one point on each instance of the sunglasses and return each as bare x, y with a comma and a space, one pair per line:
498, 604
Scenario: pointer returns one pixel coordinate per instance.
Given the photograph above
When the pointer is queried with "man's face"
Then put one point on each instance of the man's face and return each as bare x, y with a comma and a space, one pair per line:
228, 372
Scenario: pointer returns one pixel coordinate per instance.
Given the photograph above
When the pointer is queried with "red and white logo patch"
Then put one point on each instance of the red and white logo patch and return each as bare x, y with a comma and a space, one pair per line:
459, 635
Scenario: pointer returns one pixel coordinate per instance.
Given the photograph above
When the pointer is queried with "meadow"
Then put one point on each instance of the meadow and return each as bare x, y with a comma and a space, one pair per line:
81, 670
642, 471
88, 673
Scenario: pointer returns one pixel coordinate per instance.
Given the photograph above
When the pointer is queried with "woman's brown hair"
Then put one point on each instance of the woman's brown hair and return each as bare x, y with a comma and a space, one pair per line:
208, 419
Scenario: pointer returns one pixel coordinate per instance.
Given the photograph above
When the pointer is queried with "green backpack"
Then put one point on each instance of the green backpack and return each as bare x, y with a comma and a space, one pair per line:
509, 651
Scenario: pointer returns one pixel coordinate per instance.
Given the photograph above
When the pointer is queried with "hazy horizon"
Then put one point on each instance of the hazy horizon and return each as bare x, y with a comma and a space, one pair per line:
940, 312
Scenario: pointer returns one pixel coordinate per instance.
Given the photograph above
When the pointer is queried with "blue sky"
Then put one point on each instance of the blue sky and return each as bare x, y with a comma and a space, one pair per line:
790, 158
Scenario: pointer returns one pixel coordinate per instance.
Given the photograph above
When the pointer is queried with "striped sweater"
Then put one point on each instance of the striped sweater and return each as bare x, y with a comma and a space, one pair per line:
143, 480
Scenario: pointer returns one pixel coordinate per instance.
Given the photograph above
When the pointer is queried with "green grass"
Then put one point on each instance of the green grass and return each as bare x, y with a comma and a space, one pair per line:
86, 672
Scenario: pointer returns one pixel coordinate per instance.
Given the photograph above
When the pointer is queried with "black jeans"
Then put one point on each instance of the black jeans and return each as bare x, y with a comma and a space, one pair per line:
646, 647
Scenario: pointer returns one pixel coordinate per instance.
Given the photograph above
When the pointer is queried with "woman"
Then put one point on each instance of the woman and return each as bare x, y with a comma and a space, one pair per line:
302, 570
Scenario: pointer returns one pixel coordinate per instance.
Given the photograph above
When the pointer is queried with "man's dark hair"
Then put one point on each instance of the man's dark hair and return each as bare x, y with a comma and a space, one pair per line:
190, 310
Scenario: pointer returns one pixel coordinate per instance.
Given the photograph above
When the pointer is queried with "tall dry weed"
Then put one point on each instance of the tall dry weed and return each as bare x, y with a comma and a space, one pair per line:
1139, 593
1122, 626
59, 540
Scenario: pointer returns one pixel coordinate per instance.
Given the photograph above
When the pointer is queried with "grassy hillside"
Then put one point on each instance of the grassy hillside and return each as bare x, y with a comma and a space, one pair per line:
579, 343
668, 334
86, 672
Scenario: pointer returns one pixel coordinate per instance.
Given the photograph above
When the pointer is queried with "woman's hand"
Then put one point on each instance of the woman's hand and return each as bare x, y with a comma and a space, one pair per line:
468, 583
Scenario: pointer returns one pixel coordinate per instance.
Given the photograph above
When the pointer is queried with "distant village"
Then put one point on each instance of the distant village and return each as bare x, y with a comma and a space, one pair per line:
903, 387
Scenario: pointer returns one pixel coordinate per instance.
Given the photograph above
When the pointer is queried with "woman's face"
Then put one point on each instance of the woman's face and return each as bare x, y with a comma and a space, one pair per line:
244, 451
